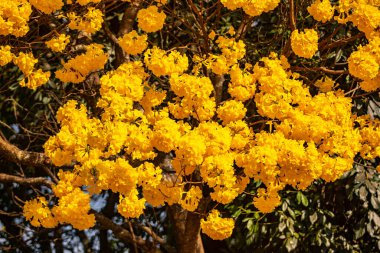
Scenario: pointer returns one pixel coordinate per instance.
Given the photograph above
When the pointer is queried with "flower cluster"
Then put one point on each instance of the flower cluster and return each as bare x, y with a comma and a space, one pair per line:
251, 7
132, 43
58, 44
150, 19
232, 52
365, 64
47, 6
14, 17
90, 22
216, 227
162, 63
32, 78
321, 10
363, 14
304, 44
77, 69
6, 55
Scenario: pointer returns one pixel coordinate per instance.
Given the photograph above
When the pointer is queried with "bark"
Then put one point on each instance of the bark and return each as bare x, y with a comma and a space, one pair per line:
14, 154
218, 81
26, 181
186, 230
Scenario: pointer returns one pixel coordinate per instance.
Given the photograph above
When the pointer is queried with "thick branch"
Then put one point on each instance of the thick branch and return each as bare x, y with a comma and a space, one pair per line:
21, 180
16, 155
218, 81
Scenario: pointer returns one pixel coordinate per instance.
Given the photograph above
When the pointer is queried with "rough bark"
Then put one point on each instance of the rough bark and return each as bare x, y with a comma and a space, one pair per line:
186, 230
25, 181
14, 154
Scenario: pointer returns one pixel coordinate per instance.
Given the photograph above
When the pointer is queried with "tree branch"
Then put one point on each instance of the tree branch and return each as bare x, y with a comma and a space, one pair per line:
16, 155
323, 69
218, 81
120, 232
25, 181
292, 18
158, 239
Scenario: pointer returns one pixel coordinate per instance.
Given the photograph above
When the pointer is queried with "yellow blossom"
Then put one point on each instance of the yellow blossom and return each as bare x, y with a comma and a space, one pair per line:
304, 44
216, 227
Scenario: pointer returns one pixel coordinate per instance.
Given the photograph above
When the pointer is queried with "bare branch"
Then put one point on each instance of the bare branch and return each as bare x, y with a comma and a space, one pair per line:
25, 181
323, 69
156, 238
120, 232
293, 25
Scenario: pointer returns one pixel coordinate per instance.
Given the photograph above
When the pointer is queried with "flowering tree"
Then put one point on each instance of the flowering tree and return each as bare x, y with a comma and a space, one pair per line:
181, 104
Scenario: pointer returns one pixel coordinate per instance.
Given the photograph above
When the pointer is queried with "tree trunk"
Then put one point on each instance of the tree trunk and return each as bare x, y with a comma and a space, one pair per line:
186, 230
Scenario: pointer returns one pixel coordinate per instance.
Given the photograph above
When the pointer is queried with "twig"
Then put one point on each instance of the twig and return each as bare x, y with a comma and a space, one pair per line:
292, 19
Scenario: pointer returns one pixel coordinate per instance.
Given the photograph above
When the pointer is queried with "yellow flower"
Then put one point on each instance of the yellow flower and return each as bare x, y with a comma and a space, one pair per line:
131, 206
304, 44
321, 10
58, 44
91, 22
38, 213
47, 6
132, 43
6, 55
231, 110
216, 227
150, 19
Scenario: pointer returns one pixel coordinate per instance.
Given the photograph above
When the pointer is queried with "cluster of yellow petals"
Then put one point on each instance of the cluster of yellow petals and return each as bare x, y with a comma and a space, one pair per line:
59, 43
242, 86
163, 63
232, 52
364, 14
131, 206
251, 7
231, 110
76, 69
216, 227
304, 43
370, 133
193, 97
325, 84
47, 7
73, 206
321, 10
90, 22
365, 64
132, 43
32, 78
14, 17
38, 213
150, 19
6, 55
